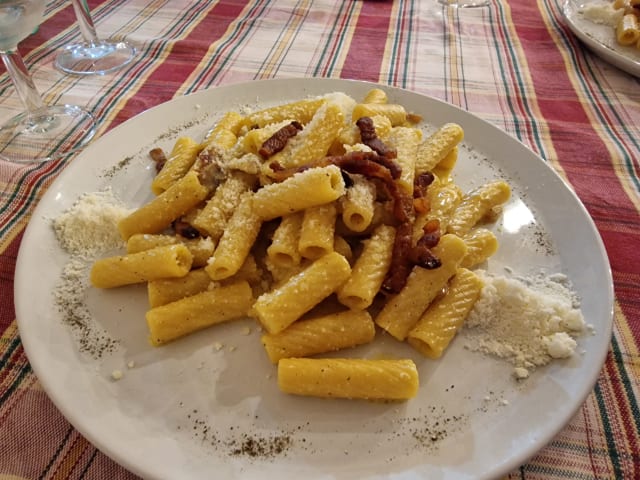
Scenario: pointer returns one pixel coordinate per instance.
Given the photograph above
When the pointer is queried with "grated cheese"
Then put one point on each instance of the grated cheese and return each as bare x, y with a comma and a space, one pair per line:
528, 322
89, 227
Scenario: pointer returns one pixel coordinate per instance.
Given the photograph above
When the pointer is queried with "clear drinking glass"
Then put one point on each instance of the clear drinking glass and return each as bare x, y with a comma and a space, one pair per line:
465, 3
42, 132
93, 56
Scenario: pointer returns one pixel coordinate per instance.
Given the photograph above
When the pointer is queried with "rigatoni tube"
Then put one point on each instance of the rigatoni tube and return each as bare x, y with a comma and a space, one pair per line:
349, 378
174, 320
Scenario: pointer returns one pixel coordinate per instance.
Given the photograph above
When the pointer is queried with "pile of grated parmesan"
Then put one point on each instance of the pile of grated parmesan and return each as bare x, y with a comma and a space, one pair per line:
528, 322
90, 226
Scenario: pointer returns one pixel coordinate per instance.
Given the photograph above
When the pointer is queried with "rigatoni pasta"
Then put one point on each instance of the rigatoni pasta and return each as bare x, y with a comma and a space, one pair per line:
323, 227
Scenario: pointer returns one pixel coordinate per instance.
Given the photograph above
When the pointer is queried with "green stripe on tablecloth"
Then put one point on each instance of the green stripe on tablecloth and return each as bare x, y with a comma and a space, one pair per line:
17, 380
339, 27
609, 437
627, 384
521, 93
239, 32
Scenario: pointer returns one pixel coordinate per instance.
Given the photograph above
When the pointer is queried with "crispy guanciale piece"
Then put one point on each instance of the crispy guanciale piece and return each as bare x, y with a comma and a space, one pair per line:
370, 138
278, 140
159, 157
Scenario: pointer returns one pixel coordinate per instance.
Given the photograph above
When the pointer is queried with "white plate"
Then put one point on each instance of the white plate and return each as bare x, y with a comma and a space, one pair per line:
184, 408
600, 38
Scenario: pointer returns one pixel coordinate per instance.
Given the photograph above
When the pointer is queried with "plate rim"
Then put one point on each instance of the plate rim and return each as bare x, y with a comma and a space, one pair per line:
607, 53
95, 439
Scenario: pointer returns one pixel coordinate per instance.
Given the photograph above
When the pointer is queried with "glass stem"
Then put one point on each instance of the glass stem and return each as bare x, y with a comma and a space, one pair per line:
22, 81
85, 22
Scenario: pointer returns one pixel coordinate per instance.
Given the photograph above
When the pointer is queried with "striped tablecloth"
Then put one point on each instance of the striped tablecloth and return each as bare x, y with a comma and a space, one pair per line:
515, 64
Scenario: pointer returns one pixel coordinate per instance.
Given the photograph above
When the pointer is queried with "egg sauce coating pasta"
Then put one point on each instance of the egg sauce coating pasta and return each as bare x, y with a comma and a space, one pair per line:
313, 142
369, 270
405, 140
349, 378
236, 242
323, 334
279, 308
436, 147
481, 244
317, 231
293, 249
475, 205
283, 250
309, 188
167, 290
182, 317
402, 311
182, 157
171, 204
444, 318
200, 248
301, 111
396, 114
358, 204
376, 95
160, 262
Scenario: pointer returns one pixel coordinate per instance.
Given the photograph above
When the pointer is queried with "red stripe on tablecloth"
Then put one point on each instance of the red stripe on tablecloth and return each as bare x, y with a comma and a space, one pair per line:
7, 273
181, 61
591, 173
364, 59
574, 137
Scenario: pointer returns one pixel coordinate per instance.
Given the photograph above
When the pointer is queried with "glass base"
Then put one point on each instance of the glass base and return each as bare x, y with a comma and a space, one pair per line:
45, 135
465, 3
95, 58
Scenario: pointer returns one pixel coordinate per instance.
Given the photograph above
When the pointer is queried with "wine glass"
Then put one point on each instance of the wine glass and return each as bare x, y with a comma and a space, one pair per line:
465, 3
42, 132
93, 56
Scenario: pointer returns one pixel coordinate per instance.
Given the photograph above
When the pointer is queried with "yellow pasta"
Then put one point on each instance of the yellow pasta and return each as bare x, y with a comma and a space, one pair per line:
481, 244
444, 167
396, 114
475, 205
358, 204
180, 160
224, 134
405, 140
213, 218
402, 311
375, 95
444, 318
320, 335
171, 204
304, 247
177, 319
302, 111
436, 147
369, 270
167, 290
279, 308
628, 30
317, 231
236, 242
160, 262
349, 378
309, 188
313, 142
200, 248
283, 250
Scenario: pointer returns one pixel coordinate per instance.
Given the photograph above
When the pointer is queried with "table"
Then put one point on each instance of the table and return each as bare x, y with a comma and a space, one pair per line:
514, 64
